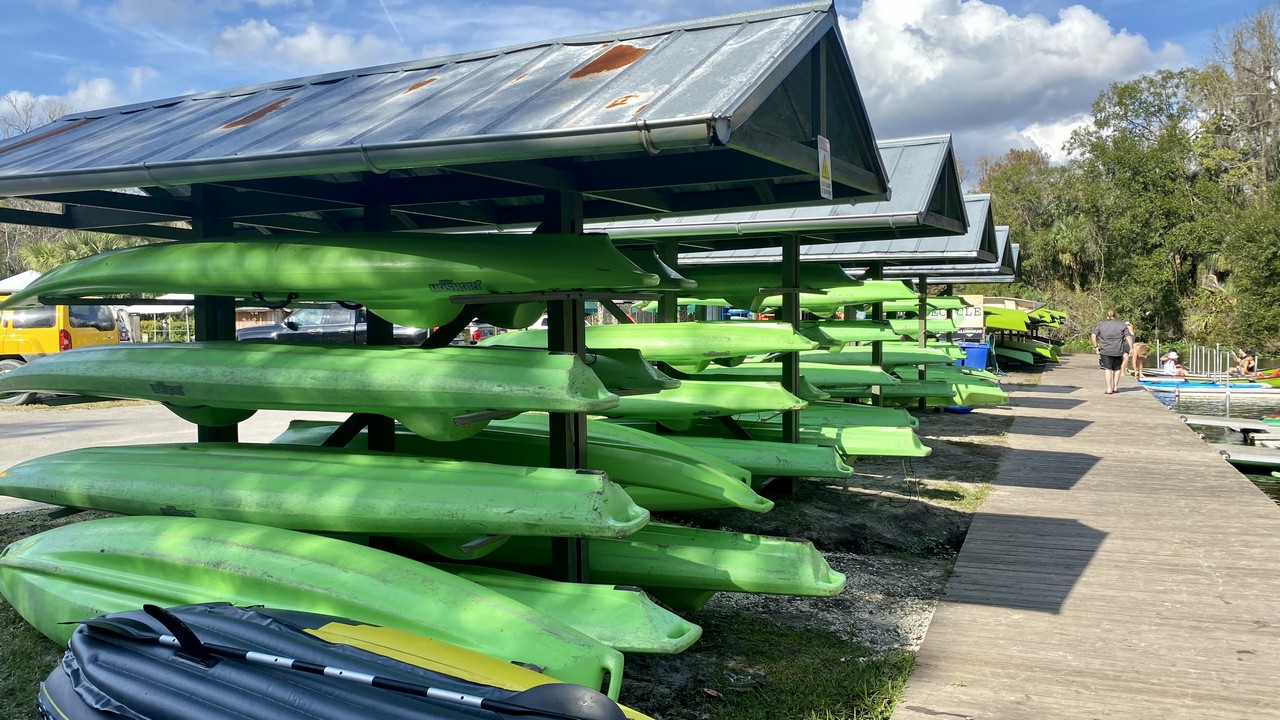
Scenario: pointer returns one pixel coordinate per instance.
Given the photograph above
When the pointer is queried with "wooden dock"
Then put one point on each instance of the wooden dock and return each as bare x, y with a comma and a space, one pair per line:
1120, 569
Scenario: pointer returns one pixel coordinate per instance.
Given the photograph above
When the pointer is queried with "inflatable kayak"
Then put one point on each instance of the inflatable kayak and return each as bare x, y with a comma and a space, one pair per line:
115, 564
130, 665
334, 490
658, 473
220, 383
406, 278
680, 344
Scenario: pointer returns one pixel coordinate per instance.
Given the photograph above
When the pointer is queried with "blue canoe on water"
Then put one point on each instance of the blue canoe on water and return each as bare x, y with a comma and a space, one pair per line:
1183, 387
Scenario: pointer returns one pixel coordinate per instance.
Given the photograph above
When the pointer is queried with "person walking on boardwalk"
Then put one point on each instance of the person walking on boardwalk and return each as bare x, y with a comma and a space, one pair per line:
1111, 342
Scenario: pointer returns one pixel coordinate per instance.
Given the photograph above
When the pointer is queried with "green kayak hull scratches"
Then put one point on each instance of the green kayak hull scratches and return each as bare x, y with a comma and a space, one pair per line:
680, 344
620, 616
406, 278
657, 472
96, 567
329, 490
684, 567
221, 383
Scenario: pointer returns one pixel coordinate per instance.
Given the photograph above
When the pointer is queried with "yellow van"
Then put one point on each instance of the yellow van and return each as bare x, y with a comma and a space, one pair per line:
29, 333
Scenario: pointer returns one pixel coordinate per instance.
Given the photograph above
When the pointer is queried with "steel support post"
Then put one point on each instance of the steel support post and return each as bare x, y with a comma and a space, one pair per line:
215, 316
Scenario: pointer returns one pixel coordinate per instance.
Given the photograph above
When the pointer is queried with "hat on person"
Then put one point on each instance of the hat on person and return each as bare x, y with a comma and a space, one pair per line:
1173, 354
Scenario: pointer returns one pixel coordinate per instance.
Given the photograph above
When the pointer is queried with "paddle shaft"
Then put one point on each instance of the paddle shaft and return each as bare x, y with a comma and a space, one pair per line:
366, 679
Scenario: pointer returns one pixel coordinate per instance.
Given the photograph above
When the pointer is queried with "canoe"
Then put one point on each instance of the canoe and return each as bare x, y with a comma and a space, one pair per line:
622, 617
406, 278
764, 459
108, 668
99, 566
870, 291
706, 398
222, 383
861, 331
658, 473
681, 344
684, 567
333, 490
862, 356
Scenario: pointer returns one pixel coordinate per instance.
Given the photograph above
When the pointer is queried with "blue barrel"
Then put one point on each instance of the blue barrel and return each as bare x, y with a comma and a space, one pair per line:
975, 355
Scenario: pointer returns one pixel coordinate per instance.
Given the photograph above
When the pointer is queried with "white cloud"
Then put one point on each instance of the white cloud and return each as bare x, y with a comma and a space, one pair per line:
139, 77
312, 49
986, 75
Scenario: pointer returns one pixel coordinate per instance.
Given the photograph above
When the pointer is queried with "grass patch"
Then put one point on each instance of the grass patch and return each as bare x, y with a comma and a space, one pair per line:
25, 660
790, 673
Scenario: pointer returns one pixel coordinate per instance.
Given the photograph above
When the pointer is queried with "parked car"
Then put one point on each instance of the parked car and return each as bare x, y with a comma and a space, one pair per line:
333, 324
30, 333
474, 333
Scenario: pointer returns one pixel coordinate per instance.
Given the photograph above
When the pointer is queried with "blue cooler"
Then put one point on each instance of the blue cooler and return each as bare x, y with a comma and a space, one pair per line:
975, 355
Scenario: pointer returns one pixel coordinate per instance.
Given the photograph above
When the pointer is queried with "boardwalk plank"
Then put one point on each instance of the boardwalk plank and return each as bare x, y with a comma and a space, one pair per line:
1119, 569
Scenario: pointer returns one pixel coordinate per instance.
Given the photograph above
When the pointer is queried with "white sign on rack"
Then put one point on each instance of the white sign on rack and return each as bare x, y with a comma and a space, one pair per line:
824, 167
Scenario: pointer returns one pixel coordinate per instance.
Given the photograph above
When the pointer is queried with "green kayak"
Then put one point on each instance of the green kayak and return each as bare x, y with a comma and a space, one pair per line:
994, 318
707, 398
95, 567
682, 344
954, 351
850, 442
845, 415
911, 327
624, 371
870, 291
221, 383
406, 278
950, 372
860, 331
934, 302
622, 617
764, 459
1044, 351
684, 567
658, 473
761, 372
669, 279
861, 355
1021, 356
829, 377
740, 283
329, 490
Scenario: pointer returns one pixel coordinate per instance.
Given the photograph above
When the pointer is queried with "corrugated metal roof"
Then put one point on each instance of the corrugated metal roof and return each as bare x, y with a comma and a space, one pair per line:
976, 245
1002, 270
925, 200
650, 94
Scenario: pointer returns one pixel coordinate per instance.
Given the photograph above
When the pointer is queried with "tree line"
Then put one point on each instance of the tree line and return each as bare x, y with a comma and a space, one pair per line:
1168, 207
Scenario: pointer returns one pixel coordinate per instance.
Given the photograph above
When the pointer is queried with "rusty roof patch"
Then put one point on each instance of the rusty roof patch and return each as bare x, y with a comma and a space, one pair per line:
256, 114
623, 100
42, 136
616, 57
419, 84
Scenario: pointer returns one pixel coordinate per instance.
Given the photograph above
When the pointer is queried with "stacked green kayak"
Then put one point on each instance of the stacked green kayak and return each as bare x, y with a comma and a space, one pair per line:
849, 441
861, 355
845, 415
681, 344
911, 327
406, 278
221, 383
933, 302
858, 331
95, 567
1004, 319
657, 472
765, 459
684, 567
706, 398
870, 291
330, 490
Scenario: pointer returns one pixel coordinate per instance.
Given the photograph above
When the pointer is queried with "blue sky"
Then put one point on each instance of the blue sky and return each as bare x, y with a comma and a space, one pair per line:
999, 74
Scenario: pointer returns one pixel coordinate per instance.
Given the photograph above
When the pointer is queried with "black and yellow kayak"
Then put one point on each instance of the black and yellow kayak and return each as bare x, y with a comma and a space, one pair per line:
216, 661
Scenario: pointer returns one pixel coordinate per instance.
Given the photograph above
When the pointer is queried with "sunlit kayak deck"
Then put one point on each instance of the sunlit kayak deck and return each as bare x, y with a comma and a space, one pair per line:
1119, 569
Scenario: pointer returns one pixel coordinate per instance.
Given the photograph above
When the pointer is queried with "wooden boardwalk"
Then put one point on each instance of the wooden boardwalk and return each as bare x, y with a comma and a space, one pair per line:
1119, 569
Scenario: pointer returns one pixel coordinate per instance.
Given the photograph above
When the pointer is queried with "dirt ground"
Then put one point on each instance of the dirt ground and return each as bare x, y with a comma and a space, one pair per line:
893, 529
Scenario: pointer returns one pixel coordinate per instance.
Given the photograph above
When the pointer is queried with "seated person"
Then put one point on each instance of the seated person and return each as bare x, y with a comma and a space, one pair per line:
1169, 363
1246, 362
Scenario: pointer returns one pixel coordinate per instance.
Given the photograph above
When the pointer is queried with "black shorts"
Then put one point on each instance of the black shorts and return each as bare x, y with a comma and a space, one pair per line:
1111, 362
